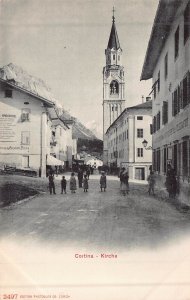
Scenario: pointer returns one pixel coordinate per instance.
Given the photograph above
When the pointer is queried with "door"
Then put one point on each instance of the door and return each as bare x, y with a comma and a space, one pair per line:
139, 173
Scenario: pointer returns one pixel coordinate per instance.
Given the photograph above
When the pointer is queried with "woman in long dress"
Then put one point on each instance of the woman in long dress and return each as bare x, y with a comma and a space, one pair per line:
73, 183
124, 179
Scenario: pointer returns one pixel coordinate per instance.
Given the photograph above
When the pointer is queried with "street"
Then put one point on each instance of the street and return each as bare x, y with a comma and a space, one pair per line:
100, 244
96, 219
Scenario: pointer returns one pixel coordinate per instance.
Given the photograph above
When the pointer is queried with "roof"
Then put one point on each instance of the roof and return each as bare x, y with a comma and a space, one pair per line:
145, 105
57, 122
16, 77
113, 42
161, 28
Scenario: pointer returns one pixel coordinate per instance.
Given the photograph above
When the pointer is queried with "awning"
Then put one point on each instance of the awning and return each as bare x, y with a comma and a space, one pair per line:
52, 161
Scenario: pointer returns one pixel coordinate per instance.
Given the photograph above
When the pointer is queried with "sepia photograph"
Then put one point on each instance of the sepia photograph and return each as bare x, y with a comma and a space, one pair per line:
95, 149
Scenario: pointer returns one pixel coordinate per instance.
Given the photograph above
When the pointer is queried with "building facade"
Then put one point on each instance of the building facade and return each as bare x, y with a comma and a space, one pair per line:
167, 62
125, 137
113, 84
31, 134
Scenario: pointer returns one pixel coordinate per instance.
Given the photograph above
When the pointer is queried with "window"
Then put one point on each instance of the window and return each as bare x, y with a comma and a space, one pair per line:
25, 162
151, 129
185, 92
25, 138
176, 101
158, 121
158, 81
139, 118
166, 66
139, 133
158, 160
165, 112
114, 57
118, 58
139, 152
185, 158
25, 114
8, 93
187, 22
154, 90
154, 124
176, 49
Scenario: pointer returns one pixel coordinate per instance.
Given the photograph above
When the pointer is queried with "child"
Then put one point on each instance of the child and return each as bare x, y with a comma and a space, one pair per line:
73, 184
85, 183
151, 181
63, 185
103, 181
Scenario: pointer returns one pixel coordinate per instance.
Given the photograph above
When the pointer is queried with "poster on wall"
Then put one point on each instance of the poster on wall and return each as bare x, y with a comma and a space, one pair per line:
94, 200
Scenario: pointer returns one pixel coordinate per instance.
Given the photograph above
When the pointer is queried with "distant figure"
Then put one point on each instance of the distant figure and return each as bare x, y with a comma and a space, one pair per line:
85, 183
120, 174
73, 184
151, 183
124, 182
63, 185
88, 172
103, 181
171, 182
51, 183
80, 177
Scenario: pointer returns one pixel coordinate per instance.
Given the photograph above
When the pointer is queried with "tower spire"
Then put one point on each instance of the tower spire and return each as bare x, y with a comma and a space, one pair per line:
113, 17
113, 42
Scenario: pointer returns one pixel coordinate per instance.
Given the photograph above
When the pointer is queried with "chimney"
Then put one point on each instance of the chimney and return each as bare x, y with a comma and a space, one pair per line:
142, 99
148, 99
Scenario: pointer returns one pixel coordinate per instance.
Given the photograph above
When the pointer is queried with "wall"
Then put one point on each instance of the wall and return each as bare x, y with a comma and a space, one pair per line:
12, 149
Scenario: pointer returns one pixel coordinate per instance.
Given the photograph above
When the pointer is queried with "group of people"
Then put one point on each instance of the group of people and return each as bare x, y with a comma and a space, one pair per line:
171, 182
82, 182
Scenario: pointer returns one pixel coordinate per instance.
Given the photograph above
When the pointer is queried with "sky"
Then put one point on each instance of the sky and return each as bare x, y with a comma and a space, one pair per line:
63, 42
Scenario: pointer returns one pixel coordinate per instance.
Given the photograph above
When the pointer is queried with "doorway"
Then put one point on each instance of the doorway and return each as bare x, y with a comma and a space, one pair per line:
139, 173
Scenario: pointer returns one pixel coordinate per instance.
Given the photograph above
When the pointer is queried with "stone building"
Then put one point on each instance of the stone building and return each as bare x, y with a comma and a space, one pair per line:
167, 62
113, 84
125, 139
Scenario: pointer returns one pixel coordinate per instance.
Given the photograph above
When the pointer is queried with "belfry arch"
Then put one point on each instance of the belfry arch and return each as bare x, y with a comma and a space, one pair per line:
114, 87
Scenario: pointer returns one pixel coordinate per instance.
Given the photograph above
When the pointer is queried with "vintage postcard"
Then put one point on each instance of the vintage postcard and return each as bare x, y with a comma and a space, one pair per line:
94, 149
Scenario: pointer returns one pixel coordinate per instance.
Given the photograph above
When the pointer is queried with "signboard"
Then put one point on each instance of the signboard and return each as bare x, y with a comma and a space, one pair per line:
8, 127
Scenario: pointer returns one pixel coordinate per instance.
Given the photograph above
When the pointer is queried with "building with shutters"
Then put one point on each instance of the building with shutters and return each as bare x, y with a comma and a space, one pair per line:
32, 136
167, 62
125, 137
113, 85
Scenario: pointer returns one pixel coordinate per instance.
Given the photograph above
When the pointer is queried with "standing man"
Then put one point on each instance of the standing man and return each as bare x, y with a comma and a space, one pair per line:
51, 183
80, 177
151, 182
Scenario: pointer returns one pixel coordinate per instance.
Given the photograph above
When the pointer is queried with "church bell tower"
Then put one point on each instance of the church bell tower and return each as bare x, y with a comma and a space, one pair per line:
113, 84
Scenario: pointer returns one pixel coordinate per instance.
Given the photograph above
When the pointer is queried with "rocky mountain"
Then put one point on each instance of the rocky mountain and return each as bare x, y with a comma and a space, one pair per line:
19, 77
79, 130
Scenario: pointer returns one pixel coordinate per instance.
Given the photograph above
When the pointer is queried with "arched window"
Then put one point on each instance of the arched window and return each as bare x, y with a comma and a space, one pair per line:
114, 87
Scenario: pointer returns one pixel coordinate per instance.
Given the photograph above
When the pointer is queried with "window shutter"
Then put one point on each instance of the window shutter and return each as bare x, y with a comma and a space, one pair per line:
188, 85
178, 99
181, 94
172, 104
